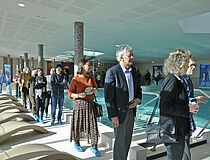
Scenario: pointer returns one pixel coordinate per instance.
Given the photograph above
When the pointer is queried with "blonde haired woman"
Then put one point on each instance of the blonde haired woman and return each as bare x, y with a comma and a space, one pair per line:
175, 106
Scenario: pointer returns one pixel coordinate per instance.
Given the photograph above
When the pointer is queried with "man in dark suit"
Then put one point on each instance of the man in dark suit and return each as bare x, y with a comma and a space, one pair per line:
122, 95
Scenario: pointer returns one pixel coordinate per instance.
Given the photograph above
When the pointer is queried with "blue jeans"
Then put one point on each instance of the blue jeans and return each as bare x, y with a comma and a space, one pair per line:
60, 99
0, 87
179, 151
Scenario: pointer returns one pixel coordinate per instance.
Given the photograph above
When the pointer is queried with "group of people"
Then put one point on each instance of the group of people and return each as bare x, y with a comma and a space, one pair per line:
123, 93
42, 89
37, 91
99, 78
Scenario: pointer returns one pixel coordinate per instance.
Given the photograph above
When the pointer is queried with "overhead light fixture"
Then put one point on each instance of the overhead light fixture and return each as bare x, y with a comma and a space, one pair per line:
21, 5
41, 17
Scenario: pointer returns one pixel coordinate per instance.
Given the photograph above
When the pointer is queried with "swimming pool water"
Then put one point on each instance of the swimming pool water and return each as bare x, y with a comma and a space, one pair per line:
143, 113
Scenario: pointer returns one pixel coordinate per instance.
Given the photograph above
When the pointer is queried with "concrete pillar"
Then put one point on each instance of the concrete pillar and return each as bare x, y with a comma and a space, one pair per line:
15, 65
8, 59
78, 44
40, 56
32, 62
53, 63
21, 63
26, 60
1, 63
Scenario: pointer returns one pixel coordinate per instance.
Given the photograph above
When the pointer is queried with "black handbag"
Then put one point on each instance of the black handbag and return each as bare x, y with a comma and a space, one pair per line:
98, 110
161, 133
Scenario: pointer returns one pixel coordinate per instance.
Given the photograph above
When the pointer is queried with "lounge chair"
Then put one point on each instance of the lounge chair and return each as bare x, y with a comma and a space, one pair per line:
9, 128
5, 108
35, 152
7, 116
8, 97
2, 103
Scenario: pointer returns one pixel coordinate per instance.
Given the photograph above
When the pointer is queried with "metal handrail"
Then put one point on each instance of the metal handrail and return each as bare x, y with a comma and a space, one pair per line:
152, 93
203, 129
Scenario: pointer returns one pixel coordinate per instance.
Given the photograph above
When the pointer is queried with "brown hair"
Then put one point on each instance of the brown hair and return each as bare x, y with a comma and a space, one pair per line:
40, 70
81, 64
17, 71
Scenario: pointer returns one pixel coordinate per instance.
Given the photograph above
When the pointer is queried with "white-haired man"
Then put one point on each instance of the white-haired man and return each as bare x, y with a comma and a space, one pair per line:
122, 95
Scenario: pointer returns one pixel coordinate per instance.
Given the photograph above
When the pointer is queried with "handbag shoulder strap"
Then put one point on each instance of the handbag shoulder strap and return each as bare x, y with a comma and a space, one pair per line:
94, 96
153, 112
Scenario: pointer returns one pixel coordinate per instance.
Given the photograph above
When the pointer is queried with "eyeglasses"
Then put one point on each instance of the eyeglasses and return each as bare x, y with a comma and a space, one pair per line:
193, 65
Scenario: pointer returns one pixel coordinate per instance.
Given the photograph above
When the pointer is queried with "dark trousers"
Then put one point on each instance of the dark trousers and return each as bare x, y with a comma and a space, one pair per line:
24, 97
40, 104
123, 137
47, 101
179, 151
17, 90
33, 104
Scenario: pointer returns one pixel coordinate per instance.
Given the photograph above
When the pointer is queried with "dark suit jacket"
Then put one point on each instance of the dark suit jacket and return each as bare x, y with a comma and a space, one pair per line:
117, 94
174, 104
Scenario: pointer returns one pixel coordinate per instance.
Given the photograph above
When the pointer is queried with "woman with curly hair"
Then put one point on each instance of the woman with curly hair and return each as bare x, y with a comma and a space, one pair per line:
174, 105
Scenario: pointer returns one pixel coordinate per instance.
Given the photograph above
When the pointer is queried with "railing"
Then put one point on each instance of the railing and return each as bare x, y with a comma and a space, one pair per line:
203, 129
150, 101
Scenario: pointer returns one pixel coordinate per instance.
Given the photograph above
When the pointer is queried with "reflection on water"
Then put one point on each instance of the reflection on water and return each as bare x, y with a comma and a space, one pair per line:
143, 114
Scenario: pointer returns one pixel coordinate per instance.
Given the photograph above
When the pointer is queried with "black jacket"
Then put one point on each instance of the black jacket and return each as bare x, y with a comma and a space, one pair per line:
40, 87
57, 83
117, 94
174, 105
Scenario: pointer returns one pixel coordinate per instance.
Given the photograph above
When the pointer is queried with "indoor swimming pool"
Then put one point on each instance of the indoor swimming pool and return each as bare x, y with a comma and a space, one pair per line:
144, 112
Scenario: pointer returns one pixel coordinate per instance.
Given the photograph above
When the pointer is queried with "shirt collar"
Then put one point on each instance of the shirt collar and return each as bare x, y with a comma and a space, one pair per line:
186, 77
124, 69
177, 77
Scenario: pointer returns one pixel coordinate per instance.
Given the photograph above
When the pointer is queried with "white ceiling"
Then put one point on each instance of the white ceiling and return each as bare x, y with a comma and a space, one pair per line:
150, 26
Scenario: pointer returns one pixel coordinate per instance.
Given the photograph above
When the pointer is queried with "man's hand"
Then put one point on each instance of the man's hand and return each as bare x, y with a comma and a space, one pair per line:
201, 99
115, 122
194, 107
134, 103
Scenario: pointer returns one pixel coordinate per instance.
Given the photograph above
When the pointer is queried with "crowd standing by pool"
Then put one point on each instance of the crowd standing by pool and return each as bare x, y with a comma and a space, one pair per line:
122, 93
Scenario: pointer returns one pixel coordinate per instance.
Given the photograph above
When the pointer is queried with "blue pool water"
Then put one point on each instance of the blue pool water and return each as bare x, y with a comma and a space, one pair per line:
143, 113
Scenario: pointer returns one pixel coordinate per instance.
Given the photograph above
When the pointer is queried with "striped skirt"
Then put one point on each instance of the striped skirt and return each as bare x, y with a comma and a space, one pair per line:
84, 122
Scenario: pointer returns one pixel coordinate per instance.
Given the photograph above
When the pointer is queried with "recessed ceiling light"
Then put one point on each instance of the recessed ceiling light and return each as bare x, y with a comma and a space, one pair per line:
21, 5
41, 17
